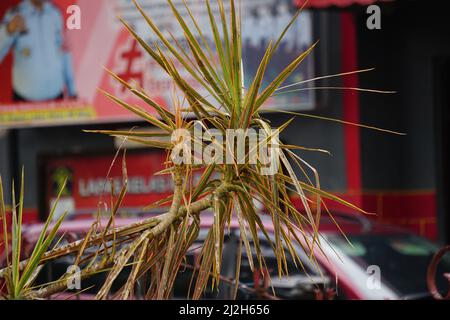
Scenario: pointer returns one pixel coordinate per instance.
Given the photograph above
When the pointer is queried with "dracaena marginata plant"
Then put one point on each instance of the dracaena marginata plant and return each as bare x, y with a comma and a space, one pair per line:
219, 100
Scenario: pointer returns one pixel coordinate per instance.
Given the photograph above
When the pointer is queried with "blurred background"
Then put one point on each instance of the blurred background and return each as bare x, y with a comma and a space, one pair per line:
51, 67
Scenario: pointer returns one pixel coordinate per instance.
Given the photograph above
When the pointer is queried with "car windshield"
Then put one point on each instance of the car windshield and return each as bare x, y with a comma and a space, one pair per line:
300, 283
403, 260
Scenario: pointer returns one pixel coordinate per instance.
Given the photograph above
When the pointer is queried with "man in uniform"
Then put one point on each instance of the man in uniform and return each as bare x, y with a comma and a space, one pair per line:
42, 67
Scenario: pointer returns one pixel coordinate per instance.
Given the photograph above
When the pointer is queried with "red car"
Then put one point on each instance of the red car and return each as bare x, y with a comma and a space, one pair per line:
381, 262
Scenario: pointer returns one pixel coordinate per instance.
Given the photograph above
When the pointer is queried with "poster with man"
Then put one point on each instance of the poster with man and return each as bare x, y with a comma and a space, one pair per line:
42, 65
53, 55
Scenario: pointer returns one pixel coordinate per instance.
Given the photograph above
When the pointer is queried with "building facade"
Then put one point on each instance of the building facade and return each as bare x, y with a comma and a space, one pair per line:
402, 179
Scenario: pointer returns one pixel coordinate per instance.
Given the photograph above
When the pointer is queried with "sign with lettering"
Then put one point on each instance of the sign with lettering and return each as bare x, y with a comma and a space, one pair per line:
52, 64
93, 182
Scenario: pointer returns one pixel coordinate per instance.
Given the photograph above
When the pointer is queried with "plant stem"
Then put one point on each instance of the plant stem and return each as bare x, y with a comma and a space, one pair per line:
155, 226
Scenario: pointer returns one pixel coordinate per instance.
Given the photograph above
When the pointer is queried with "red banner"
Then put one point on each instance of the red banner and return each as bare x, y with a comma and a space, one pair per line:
94, 181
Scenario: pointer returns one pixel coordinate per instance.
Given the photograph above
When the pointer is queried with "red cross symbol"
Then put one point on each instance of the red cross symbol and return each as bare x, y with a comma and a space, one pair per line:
130, 56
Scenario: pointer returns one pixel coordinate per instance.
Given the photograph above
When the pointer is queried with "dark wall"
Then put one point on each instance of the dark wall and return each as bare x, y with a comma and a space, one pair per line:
313, 133
4, 162
413, 35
